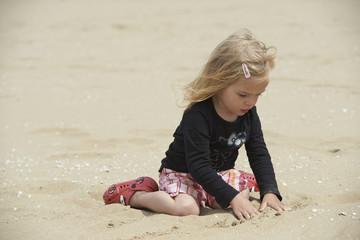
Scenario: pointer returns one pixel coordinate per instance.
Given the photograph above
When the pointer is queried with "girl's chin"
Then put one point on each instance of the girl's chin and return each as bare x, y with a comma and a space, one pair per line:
243, 112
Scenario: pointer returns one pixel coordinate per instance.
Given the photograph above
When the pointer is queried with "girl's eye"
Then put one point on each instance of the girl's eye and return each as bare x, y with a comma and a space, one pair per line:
242, 95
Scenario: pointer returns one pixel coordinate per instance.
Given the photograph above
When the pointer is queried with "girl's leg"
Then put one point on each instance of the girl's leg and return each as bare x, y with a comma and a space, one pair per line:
162, 202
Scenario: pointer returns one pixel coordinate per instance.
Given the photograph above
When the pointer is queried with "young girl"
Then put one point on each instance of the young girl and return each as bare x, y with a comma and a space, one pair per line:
221, 116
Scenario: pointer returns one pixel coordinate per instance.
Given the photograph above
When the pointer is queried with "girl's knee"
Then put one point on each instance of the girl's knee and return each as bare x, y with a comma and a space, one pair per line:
186, 206
188, 209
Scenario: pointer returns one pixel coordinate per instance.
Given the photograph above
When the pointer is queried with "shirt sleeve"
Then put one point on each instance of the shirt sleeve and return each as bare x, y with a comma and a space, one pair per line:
259, 158
197, 151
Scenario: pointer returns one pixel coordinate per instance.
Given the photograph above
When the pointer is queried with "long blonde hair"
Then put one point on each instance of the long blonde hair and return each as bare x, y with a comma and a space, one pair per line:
224, 66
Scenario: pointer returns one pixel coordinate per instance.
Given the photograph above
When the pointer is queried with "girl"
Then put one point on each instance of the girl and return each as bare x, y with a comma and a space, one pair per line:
221, 116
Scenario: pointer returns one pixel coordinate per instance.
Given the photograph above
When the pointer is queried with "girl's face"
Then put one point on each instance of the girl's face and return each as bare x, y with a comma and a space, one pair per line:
238, 98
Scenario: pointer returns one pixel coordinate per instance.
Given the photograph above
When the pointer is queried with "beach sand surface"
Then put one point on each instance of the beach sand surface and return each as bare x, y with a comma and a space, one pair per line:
89, 97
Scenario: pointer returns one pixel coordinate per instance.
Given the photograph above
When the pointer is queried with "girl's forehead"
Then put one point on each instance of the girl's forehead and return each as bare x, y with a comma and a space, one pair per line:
251, 85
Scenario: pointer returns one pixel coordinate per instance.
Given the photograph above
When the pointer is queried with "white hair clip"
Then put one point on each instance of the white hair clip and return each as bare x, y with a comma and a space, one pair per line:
246, 70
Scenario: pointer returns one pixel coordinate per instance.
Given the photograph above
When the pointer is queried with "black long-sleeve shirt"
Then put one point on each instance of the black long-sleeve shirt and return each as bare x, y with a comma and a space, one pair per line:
204, 144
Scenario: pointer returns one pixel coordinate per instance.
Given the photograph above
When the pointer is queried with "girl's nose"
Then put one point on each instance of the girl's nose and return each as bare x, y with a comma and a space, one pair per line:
252, 101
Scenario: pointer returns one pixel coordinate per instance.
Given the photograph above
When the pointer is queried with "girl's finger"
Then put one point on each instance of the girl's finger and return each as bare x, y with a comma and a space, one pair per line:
239, 215
246, 215
262, 206
278, 208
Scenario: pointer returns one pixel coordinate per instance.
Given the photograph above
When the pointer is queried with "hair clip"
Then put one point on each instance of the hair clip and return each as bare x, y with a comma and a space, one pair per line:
246, 70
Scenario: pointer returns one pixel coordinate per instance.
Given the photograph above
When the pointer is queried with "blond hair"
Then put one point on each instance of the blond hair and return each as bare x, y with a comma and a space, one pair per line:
224, 66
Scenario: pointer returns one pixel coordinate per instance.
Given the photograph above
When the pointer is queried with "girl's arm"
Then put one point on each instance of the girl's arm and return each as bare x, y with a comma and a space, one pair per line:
259, 158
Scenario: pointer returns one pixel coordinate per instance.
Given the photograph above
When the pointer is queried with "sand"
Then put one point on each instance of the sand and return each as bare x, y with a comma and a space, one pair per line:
88, 97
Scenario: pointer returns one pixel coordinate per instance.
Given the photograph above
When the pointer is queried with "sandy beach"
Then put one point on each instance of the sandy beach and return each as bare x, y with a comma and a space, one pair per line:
89, 97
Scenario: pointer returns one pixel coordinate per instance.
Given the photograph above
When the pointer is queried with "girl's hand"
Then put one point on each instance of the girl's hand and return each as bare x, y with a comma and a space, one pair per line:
272, 201
242, 207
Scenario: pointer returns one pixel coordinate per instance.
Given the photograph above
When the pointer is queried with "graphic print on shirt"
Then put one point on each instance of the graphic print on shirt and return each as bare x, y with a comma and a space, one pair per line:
227, 149
235, 139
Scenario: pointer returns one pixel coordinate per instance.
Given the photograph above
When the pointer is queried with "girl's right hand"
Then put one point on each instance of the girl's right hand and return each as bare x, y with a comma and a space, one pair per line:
242, 207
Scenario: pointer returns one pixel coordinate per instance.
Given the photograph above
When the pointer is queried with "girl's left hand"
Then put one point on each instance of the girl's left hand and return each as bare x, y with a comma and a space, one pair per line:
272, 201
